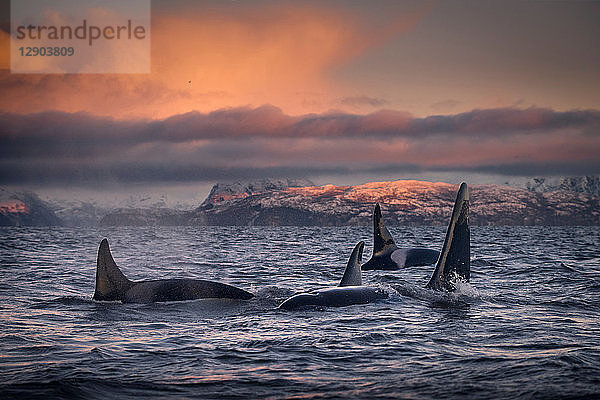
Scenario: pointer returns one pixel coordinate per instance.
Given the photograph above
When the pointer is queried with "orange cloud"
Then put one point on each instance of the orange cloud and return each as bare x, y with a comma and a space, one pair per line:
209, 59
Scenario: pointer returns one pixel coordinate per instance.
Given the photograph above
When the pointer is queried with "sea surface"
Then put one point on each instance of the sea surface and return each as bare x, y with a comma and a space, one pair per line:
527, 325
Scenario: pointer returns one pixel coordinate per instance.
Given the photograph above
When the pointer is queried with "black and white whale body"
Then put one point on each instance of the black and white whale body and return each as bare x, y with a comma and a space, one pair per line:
454, 263
350, 290
388, 256
112, 285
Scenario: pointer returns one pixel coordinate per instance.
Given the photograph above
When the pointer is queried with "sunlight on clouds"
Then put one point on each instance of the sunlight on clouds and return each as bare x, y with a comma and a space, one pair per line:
215, 58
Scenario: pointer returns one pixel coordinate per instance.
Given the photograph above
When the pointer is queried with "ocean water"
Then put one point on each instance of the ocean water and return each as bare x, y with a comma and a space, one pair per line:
527, 326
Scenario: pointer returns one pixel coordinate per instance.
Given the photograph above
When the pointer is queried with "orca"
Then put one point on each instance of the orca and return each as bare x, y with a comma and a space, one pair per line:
454, 263
388, 256
349, 291
112, 285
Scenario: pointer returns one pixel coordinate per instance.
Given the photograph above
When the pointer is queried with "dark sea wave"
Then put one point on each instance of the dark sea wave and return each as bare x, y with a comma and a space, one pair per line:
527, 326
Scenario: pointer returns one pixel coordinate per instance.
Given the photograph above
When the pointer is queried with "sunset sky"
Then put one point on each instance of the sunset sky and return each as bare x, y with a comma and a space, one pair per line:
341, 92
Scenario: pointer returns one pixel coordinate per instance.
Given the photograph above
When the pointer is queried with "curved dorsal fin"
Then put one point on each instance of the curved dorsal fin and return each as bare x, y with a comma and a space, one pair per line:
352, 275
455, 257
382, 239
111, 284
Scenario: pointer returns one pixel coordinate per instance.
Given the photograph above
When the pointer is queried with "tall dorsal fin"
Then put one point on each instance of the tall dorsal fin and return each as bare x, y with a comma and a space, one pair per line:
382, 239
455, 257
111, 284
352, 275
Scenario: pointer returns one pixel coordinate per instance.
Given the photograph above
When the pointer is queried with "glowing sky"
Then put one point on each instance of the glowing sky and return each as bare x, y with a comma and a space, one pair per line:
336, 91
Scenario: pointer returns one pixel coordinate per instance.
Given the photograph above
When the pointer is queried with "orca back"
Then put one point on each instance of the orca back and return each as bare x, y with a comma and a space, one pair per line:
350, 290
111, 284
153, 291
382, 238
352, 275
388, 256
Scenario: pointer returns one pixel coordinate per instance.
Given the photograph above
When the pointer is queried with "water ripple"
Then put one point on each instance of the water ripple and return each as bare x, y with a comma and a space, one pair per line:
525, 326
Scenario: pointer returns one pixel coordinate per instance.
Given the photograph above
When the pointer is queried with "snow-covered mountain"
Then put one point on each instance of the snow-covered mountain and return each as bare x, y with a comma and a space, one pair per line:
90, 212
156, 209
403, 202
293, 202
25, 209
579, 184
228, 191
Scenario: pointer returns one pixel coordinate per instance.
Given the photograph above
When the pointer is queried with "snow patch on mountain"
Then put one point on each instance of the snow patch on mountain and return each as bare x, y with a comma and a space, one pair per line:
579, 184
229, 191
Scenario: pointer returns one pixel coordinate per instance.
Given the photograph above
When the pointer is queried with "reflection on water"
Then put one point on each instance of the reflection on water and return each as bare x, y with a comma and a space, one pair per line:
525, 326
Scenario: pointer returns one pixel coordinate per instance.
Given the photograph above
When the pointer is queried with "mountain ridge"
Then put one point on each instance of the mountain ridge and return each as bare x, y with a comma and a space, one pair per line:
273, 202
405, 203
25, 209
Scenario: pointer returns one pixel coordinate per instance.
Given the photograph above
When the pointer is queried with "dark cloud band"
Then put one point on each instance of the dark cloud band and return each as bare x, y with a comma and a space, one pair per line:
242, 143
270, 121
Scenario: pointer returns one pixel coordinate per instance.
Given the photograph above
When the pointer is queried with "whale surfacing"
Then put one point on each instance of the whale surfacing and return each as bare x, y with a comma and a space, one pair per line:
112, 285
454, 262
388, 256
349, 291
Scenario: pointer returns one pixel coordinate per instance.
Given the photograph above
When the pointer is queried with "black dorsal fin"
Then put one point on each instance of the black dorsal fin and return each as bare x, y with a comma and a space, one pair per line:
455, 257
352, 275
111, 284
382, 239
